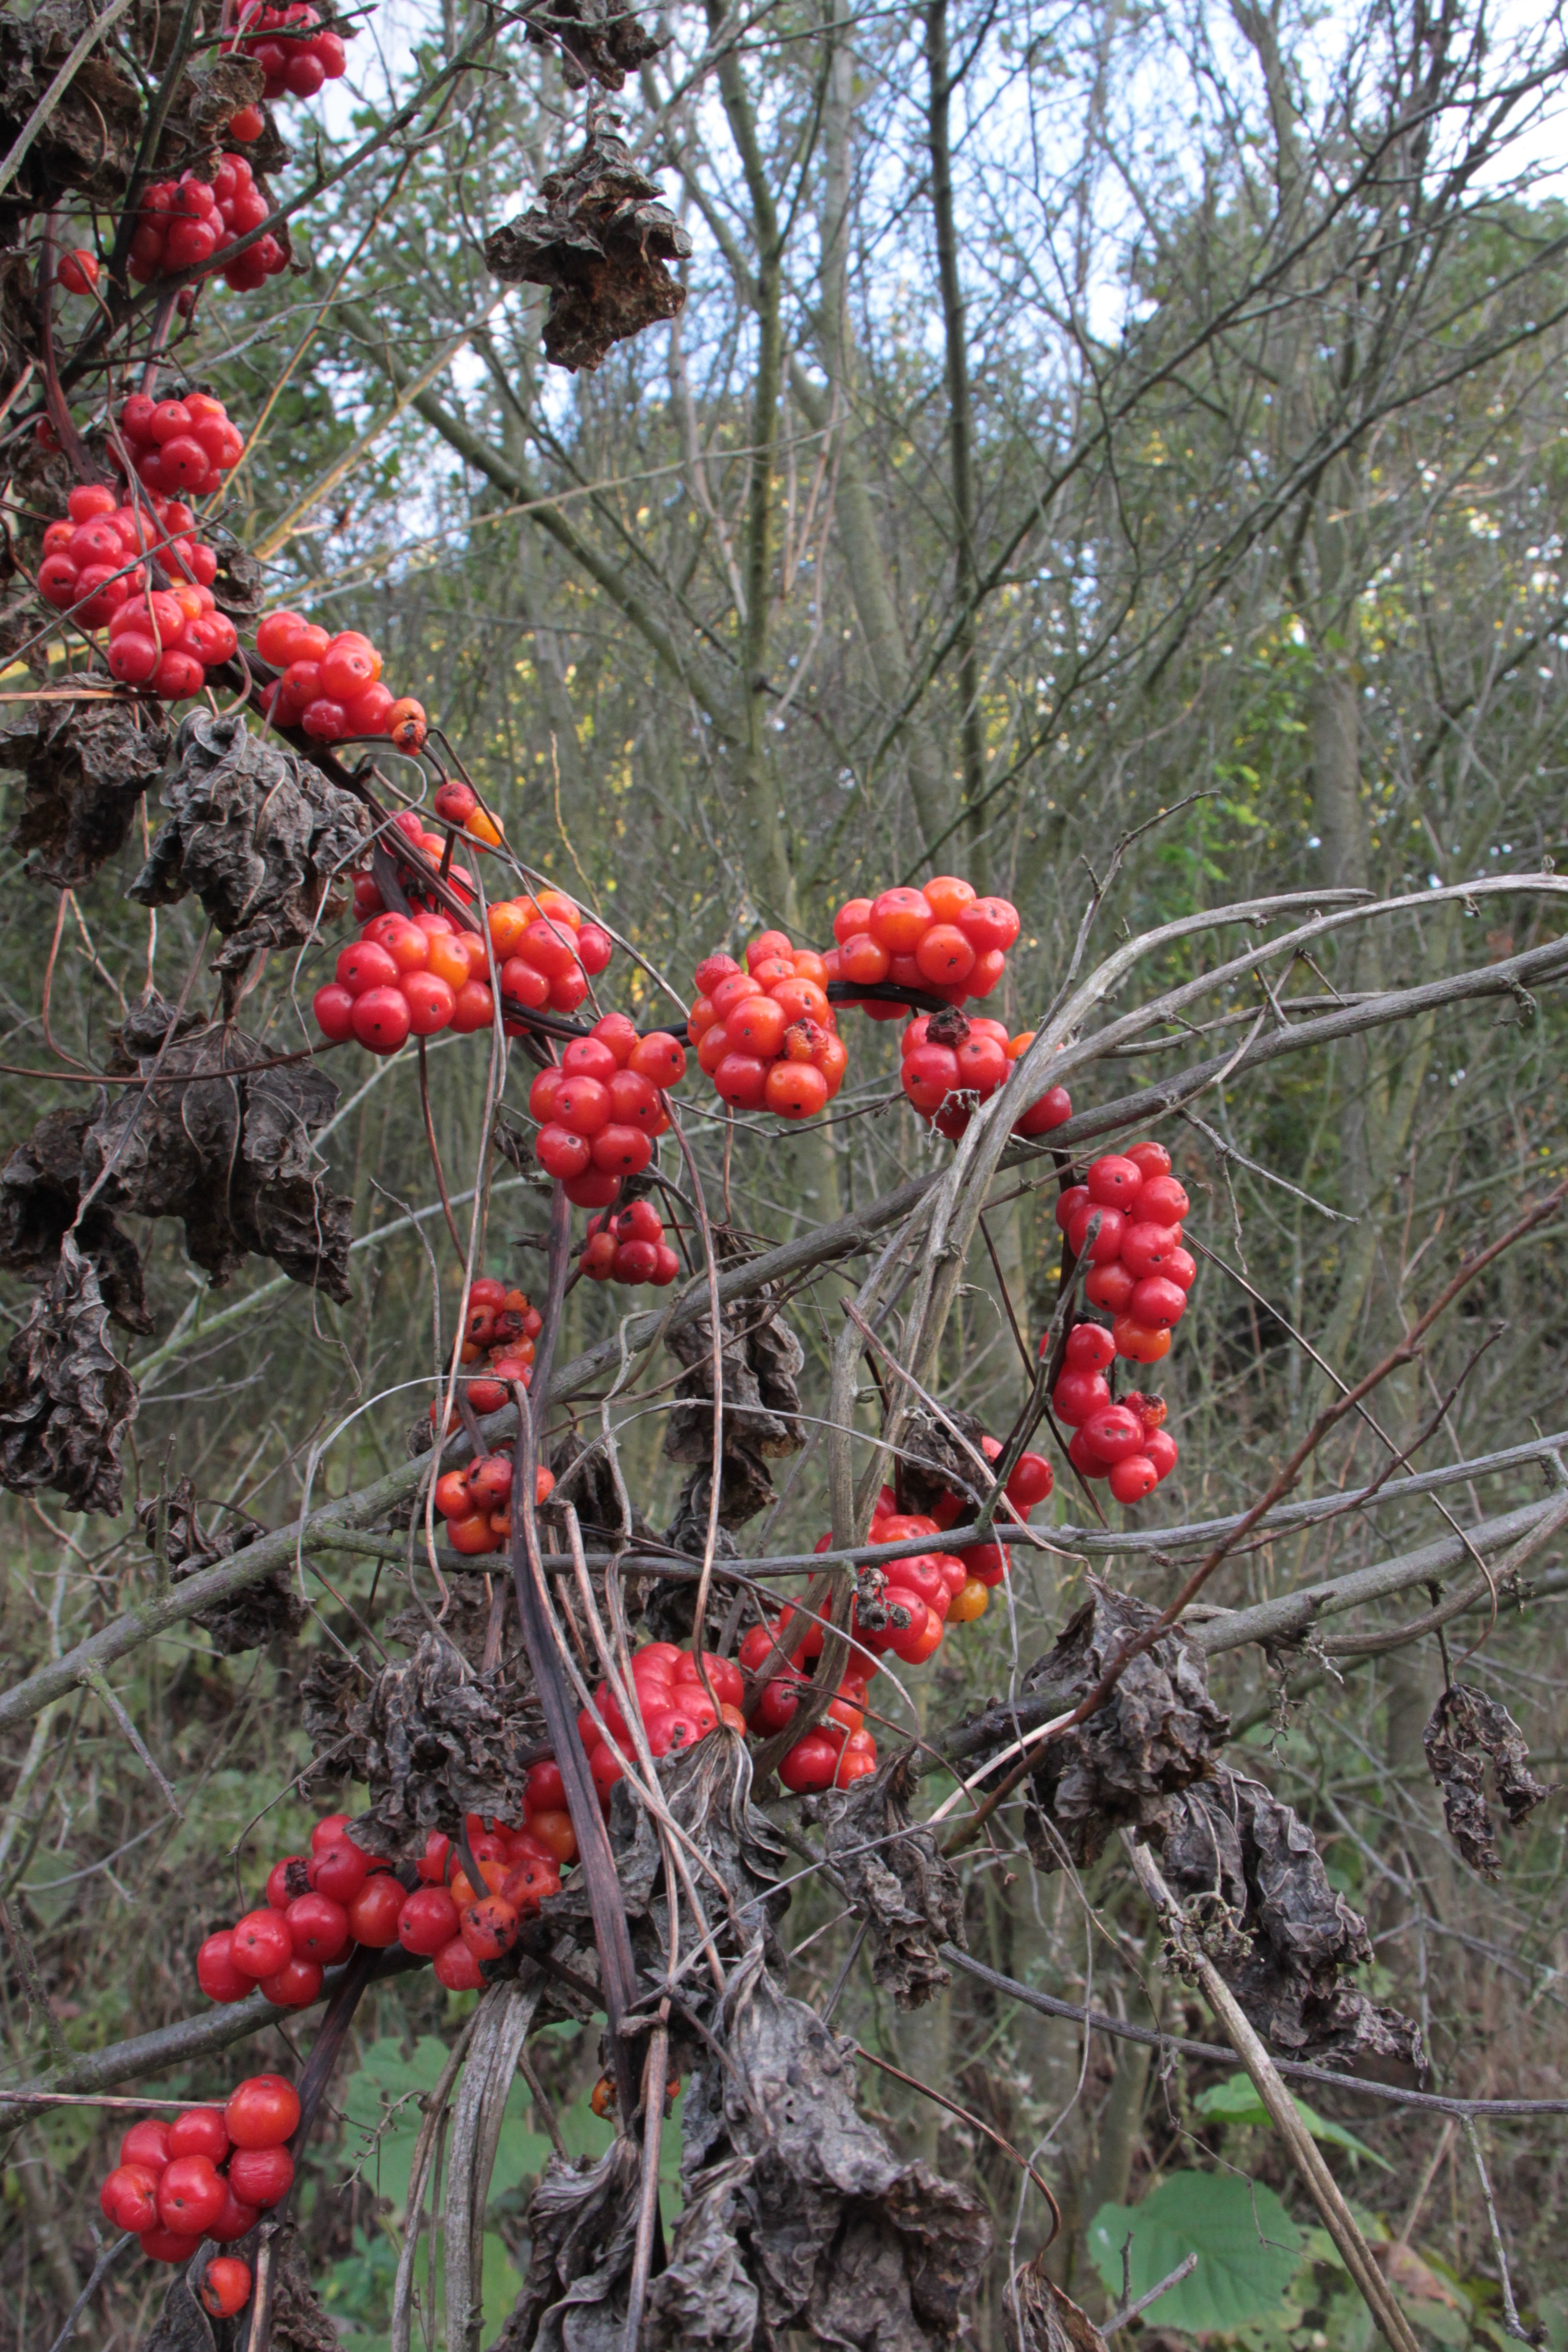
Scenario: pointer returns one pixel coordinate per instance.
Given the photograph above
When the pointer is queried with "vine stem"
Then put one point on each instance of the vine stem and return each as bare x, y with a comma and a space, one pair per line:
1301, 2147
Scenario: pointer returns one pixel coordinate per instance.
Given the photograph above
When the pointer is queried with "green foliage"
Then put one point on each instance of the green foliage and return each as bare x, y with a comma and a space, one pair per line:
1235, 2101
1248, 2250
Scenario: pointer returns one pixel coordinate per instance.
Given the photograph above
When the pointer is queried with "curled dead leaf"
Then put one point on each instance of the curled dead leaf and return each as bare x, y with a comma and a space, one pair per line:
1259, 1901
897, 1880
65, 1401
600, 242
257, 833
1466, 1733
87, 765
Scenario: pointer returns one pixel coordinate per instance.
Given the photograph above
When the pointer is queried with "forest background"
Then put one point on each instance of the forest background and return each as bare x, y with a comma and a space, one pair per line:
1087, 425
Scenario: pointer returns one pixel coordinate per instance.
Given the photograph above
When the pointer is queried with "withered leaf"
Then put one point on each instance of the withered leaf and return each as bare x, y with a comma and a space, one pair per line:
252, 1617
227, 1147
1050, 2321
239, 588
600, 242
87, 140
895, 1879
1466, 1732
432, 1739
761, 1359
1156, 1732
581, 2221
65, 1401
256, 832
181, 2326
707, 1789
934, 1465
206, 96
40, 1188
838, 2239
300, 2323
87, 765
1255, 1887
599, 40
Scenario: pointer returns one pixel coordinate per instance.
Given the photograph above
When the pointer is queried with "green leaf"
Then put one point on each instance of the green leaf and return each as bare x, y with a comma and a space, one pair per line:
1236, 2101
1248, 2250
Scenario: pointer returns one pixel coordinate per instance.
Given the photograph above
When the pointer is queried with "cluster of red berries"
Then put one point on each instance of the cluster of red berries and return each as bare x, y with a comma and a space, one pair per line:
601, 1107
180, 446
767, 1035
406, 975
1125, 1440
503, 1326
476, 1502
924, 1594
330, 686
941, 938
673, 1707
459, 804
209, 2174
547, 954
185, 222
92, 567
457, 1925
953, 1062
292, 47
1138, 1269
629, 1247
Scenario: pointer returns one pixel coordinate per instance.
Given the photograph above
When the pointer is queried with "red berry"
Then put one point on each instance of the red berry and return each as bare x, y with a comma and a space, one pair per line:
200, 2131
1114, 1182
1133, 1477
216, 1974
1112, 1432
457, 1967
262, 2113
338, 1869
128, 2198
260, 1944
373, 1915
382, 1019
1030, 1481
77, 273
428, 1920
261, 2176
236, 2221
318, 1926
295, 1985
146, 2144
163, 2246
190, 2194
226, 2287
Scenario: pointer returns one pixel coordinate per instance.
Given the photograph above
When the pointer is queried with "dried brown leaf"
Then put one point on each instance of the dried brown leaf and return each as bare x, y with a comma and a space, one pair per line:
1048, 2320
229, 1152
582, 2221
181, 2326
599, 40
65, 1401
600, 242
431, 1738
87, 765
761, 1363
895, 1879
40, 1187
789, 2188
933, 1464
1156, 1732
1466, 1732
87, 141
250, 1619
256, 832
1260, 1899
300, 2323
